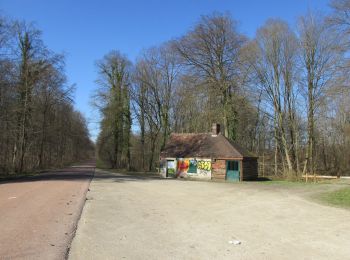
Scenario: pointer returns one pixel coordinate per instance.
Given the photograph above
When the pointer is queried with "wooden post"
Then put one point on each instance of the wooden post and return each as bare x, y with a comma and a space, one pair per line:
263, 169
241, 170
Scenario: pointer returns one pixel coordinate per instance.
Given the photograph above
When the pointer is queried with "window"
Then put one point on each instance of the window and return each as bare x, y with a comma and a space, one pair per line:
232, 166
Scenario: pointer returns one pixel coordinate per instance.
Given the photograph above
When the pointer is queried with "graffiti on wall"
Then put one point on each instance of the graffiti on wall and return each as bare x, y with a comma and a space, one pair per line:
204, 168
192, 169
186, 167
204, 165
182, 167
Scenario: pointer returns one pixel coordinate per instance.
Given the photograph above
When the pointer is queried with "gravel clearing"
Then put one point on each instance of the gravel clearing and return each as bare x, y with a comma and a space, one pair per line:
129, 217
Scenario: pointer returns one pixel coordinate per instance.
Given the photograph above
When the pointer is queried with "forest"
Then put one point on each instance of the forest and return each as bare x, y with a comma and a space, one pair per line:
39, 127
283, 94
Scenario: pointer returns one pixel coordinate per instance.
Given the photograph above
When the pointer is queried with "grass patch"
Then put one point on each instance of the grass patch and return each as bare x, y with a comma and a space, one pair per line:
100, 164
300, 182
340, 198
284, 183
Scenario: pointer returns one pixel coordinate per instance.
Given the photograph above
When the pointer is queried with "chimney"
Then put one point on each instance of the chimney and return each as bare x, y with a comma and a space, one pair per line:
215, 129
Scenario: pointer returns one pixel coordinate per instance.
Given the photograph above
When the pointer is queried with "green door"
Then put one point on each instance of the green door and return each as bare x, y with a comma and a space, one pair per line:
232, 170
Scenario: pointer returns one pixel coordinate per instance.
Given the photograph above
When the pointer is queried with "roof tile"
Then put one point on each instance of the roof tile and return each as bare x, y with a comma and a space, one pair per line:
202, 145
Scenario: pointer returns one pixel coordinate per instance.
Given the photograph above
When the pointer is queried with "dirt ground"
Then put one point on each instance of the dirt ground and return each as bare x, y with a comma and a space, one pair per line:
38, 215
144, 218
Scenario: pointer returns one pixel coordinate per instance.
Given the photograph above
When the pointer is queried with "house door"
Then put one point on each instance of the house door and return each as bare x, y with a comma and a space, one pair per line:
232, 170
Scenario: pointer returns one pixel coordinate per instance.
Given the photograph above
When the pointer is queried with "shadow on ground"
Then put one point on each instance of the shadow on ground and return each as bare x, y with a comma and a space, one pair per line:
79, 173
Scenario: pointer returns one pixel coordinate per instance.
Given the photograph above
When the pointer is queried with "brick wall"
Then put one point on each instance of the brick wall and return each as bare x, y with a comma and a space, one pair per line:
218, 169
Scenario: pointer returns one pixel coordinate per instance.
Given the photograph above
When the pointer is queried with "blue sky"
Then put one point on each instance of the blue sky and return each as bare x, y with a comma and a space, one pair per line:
86, 30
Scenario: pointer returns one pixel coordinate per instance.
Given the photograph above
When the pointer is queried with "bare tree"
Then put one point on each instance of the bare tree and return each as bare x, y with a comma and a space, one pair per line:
32, 55
114, 71
322, 51
212, 51
341, 15
272, 59
38, 125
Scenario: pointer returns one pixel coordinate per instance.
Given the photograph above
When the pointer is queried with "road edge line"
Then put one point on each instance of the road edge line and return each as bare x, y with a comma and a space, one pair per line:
75, 226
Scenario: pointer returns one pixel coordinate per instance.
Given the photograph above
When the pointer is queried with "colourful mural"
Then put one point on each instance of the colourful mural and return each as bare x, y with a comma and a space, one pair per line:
193, 167
182, 167
186, 167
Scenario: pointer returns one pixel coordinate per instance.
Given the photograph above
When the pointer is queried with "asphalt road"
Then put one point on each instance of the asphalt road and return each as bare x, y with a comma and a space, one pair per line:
38, 215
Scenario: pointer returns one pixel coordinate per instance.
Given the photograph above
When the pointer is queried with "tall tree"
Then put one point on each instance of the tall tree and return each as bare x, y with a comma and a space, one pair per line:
32, 55
272, 57
114, 93
38, 125
212, 51
322, 53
